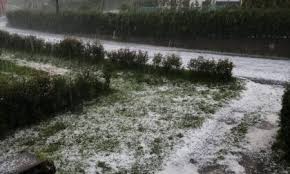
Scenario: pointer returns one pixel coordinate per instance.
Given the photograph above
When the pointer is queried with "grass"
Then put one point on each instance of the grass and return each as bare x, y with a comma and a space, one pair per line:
122, 121
43, 153
30, 96
156, 147
237, 134
105, 167
11, 68
129, 130
11, 72
52, 129
191, 122
65, 63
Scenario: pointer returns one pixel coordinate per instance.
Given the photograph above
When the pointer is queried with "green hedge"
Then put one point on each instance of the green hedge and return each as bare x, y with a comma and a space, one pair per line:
285, 121
73, 49
30, 100
171, 65
191, 24
128, 59
67, 48
266, 3
221, 69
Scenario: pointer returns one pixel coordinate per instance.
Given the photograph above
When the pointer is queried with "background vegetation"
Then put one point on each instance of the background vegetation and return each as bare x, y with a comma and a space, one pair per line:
170, 24
68, 48
285, 123
266, 3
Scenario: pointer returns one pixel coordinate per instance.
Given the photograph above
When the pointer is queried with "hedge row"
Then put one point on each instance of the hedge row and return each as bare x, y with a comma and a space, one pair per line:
266, 3
191, 24
221, 69
285, 121
74, 49
169, 65
28, 101
68, 48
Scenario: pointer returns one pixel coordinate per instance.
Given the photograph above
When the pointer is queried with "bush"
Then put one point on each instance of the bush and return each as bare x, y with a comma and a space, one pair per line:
171, 62
128, 59
141, 58
165, 24
285, 121
68, 48
95, 51
32, 100
157, 60
266, 4
28, 44
171, 65
221, 69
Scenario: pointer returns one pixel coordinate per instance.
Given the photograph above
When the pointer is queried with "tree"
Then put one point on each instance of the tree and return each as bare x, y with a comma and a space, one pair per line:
185, 4
57, 6
196, 4
207, 3
266, 3
173, 4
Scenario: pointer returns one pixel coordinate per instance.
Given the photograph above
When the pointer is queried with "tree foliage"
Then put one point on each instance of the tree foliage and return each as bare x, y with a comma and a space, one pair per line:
266, 3
285, 121
168, 24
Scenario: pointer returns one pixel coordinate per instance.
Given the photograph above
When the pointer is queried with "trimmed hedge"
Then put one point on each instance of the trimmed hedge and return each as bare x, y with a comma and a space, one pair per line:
129, 59
221, 69
285, 121
171, 65
166, 24
68, 48
27, 101
266, 3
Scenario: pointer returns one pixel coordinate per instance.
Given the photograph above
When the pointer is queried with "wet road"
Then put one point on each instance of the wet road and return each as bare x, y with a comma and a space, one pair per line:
263, 70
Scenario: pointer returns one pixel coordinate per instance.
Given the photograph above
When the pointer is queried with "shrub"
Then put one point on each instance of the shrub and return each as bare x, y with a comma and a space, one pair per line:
157, 60
221, 69
68, 48
171, 65
27, 43
224, 69
128, 59
95, 51
171, 62
123, 57
34, 99
285, 121
141, 59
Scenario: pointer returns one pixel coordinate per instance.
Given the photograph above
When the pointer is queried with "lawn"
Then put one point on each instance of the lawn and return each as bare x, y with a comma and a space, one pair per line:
132, 129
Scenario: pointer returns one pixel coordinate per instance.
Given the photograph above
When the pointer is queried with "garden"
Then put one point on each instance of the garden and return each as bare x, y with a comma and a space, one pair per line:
117, 111
99, 106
